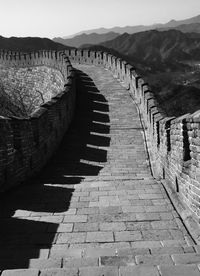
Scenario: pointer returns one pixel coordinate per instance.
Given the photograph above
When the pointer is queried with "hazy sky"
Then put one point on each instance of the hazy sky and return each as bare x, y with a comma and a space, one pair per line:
50, 18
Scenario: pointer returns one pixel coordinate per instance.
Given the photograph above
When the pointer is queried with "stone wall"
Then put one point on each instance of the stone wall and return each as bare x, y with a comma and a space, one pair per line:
26, 144
173, 143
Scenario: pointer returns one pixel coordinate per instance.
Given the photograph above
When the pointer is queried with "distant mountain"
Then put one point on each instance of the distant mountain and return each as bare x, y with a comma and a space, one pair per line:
185, 28
155, 48
174, 23
92, 38
27, 44
139, 28
166, 61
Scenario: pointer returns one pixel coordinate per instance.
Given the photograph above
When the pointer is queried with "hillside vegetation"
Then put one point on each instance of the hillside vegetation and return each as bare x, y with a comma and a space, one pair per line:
168, 61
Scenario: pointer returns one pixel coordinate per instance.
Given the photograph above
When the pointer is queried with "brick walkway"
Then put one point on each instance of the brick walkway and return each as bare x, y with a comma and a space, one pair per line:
96, 209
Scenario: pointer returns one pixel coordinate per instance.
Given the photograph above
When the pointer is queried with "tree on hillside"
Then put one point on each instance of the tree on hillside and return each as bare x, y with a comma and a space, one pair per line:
18, 100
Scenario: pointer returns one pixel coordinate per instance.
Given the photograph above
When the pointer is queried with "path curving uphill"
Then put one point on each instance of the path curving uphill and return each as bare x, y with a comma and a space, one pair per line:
96, 209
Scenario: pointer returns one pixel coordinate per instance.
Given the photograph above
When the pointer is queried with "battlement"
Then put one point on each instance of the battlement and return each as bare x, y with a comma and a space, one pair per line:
26, 144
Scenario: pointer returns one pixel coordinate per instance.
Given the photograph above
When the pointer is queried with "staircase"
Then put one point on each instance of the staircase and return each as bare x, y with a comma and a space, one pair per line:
95, 209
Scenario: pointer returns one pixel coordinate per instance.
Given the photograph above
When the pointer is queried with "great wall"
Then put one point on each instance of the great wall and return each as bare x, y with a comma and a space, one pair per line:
172, 144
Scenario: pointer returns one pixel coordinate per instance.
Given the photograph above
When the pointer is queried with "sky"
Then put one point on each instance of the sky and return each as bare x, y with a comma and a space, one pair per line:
58, 18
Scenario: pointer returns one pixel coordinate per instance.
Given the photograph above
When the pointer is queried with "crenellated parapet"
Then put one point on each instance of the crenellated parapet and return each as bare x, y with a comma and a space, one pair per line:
173, 143
26, 144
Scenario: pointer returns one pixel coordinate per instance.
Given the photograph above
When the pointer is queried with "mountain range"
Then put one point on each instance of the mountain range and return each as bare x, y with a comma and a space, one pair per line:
155, 49
27, 44
100, 35
82, 39
185, 28
140, 28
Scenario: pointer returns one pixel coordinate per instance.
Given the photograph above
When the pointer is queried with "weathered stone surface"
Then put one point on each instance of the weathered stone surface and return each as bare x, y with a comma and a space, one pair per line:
21, 272
99, 237
60, 272
179, 270
117, 260
139, 271
188, 258
154, 259
80, 262
98, 271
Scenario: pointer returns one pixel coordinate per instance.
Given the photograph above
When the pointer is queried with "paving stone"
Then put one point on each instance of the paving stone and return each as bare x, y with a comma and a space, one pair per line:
189, 249
174, 243
20, 272
138, 225
98, 271
146, 244
97, 252
88, 198
71, 211
22, 213
132, 251
86, 227
112, 226
167, 250
134, 209
141, 202
177, 234
156, 235
82, 204
147, 216
139, 270
179, 270
87, 211
128, 236
75, 218
71, 238
42, 264
154, 259
62, 227
117, 260
166, 216
99, 237
84, 246
164, 225
150, 196
197, 248
187, 258
63, 252
80, 262
115, 245
53, 219
59, 272
152, 209
110, 210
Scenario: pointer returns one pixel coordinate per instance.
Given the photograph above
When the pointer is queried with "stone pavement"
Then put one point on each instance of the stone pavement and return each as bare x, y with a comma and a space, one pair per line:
95, 209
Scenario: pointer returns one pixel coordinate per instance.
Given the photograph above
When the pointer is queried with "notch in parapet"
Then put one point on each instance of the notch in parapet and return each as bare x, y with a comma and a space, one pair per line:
168, 133
186, 143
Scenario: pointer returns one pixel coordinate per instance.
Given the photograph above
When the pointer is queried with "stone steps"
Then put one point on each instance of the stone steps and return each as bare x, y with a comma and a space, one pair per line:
108, 261
144, 265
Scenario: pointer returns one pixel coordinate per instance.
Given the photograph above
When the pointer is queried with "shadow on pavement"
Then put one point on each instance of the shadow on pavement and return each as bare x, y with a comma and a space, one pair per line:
27, 213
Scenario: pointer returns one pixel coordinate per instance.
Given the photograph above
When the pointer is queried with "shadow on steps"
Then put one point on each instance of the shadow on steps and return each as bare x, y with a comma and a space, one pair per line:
29, 215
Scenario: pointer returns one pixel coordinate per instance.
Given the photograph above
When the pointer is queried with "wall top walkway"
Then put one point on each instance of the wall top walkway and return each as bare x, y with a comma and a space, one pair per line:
95, 198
